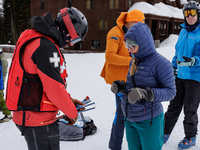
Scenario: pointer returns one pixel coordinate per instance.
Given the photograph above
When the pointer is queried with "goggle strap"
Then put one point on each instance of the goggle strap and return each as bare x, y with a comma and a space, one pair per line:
65, 15
131, 47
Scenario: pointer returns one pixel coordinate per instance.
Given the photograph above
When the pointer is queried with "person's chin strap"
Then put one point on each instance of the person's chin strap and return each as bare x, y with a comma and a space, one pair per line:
74, 37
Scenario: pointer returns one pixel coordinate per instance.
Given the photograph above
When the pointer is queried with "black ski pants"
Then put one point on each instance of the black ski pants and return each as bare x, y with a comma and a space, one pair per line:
42, 137
188, 98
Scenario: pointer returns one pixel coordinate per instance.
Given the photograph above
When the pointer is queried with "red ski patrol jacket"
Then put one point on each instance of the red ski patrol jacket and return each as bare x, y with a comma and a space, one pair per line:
42, 57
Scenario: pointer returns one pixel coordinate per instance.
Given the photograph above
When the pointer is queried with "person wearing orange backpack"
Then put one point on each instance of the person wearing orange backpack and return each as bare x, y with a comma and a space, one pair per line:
36, 87
116, 67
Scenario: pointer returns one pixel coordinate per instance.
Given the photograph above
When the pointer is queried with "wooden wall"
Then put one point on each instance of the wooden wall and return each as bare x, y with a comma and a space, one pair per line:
101, 11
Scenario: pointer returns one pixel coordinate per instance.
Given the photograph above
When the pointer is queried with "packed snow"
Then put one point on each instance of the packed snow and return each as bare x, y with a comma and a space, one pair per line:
84, 80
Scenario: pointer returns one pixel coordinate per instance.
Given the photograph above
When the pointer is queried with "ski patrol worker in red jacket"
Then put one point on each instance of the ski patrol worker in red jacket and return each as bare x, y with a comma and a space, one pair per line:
36, 87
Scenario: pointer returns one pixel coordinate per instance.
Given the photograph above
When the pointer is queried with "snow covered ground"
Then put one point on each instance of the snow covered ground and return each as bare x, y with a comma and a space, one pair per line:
84, 79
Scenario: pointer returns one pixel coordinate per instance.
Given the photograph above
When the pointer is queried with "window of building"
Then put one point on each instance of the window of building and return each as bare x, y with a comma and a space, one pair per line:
103, 25
95, 44
42, 5
89, 4
165, 26
160, 25
113, 4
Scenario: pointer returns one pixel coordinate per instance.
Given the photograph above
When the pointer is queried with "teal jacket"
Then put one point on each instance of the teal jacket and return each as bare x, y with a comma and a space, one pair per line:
188, 45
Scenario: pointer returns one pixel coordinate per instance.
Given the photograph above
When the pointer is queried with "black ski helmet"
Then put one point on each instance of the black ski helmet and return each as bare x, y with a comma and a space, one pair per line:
192, 5
76, 19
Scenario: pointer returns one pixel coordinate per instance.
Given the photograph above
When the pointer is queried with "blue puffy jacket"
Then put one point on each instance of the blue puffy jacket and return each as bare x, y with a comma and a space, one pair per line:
188, 45
154, 71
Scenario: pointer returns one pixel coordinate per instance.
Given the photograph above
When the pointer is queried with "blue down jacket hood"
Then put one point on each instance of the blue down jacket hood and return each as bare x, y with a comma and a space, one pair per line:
154, 71
141, 33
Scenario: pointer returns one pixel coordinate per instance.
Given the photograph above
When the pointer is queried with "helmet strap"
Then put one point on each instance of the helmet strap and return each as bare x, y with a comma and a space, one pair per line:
74, 37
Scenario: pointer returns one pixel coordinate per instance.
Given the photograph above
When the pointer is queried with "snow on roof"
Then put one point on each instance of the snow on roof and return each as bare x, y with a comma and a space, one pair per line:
159, 9
6, 45
183, 2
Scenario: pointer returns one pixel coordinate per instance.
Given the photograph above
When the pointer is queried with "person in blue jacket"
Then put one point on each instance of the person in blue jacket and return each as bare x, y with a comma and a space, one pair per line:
186, 64
150, 81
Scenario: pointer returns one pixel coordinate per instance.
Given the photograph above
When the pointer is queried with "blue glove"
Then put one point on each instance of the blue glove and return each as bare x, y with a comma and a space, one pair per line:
188, 61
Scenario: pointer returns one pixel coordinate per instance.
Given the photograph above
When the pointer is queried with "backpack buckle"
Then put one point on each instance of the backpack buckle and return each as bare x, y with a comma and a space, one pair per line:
24, 80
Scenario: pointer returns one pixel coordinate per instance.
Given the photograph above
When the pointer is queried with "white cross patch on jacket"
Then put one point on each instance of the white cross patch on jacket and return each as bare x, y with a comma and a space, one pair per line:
62, 68
55, 59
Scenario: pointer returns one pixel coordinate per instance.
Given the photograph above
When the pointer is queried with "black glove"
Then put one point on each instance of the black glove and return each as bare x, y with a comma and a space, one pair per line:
188, 61
136, 94
118, 86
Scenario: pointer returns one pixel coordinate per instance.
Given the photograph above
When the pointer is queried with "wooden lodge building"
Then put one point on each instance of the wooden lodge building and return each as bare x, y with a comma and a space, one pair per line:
102, 15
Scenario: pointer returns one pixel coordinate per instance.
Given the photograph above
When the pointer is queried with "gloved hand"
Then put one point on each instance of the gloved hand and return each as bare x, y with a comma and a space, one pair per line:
188, 61
118, 86
175, 72
136, 94
77, 102
71, 121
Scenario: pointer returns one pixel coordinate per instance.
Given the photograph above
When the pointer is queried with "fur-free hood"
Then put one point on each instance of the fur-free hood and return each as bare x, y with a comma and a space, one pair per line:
46, 26
133, 15
121, 21
141, 33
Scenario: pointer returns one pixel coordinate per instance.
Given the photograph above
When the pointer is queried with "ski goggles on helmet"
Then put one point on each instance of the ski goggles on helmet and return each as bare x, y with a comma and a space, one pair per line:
192, 12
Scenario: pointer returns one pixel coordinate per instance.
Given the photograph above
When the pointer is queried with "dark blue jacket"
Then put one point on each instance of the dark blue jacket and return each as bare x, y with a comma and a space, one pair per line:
154, 71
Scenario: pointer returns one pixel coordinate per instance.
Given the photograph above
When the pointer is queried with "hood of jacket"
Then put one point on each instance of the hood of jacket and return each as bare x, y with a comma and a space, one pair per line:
121, 21
141, 33
46, 26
